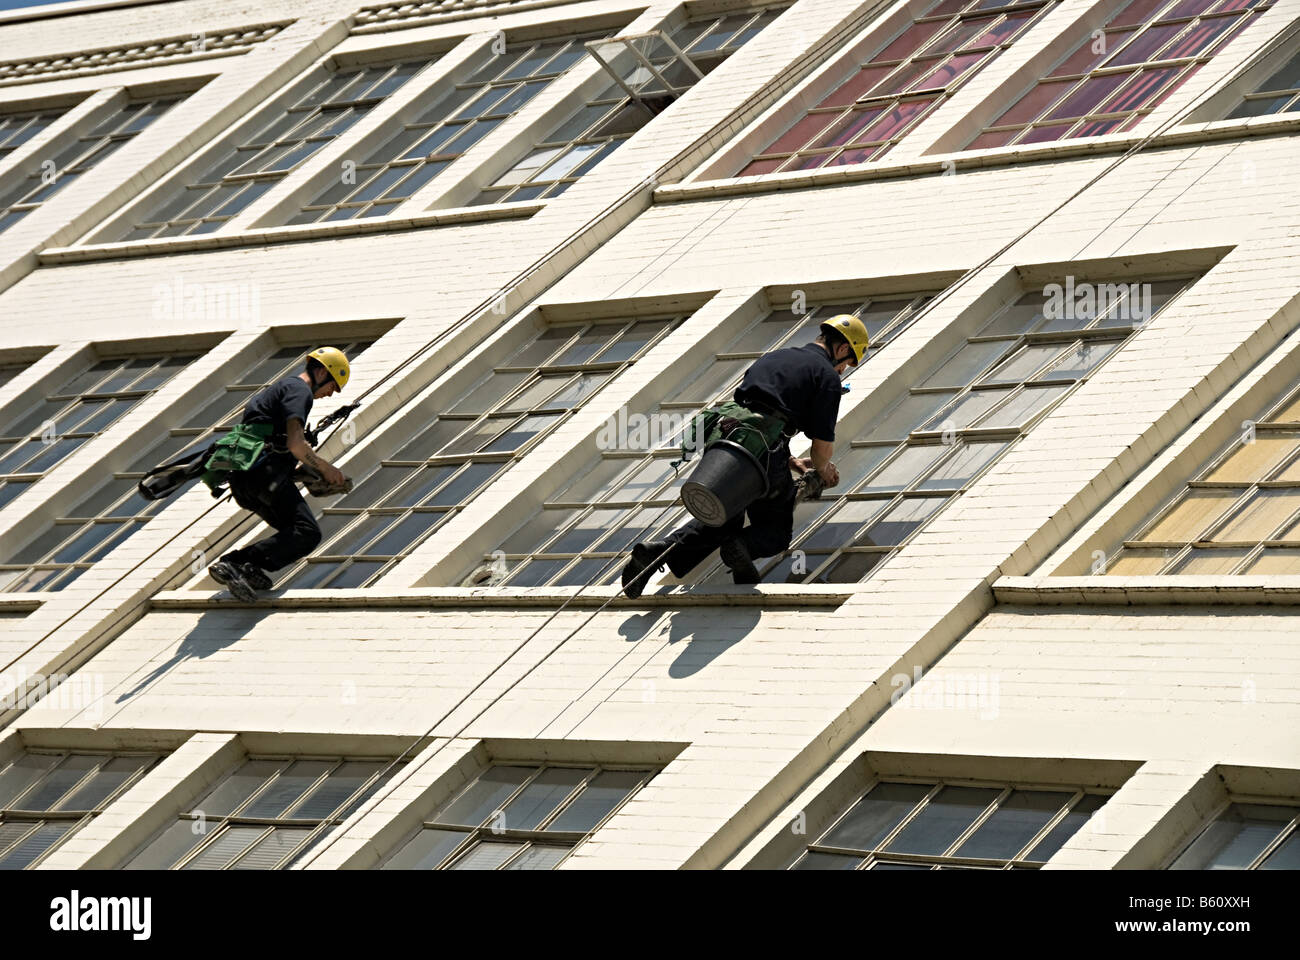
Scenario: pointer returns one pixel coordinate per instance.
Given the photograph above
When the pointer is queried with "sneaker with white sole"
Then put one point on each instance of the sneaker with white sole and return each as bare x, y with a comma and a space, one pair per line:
231, 576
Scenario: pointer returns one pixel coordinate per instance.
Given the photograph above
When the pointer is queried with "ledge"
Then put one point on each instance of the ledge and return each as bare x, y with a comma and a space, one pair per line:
764, 595
941, 163
21, 602
1149, 591
271, 235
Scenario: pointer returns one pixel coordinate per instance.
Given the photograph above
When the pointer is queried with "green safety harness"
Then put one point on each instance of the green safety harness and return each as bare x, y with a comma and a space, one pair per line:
760, 433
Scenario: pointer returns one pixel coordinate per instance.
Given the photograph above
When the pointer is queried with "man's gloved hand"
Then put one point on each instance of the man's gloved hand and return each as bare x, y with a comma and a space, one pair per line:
318, 486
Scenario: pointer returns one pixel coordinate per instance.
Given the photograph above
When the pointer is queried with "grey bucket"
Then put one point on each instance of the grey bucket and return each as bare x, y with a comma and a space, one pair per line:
727, 480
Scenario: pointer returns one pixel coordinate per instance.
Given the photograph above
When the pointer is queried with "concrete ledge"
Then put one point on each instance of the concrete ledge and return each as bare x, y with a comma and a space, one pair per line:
20, 603
765, 595
1149, 591
305, 231
950, 163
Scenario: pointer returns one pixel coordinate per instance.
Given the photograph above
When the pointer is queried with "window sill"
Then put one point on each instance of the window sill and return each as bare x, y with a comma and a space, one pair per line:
982, 159
1280, 590
305, 231
22, 602
767, 595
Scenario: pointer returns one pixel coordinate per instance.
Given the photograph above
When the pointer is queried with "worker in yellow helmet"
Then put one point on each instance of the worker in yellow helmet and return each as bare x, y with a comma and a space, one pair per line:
272, 444
784, 392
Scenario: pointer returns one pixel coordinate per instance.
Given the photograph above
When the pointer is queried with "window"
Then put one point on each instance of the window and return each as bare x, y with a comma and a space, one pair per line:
928, 447
17, 128
266, 814
81, 409
505, 413
115, 511
580, 536
1246, 836
79, 157
1148, 50
1241, 514
424, 148
623, 108
964, 825
258, 164
867, 115
1280, 93
516, 817
46, 796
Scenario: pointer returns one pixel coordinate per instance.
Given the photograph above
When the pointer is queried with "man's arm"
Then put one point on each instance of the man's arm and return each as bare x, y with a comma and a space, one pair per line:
301, 449
821, 458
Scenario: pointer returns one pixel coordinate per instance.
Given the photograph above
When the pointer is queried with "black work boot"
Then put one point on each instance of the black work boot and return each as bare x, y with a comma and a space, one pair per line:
256, 577
647, 559
231, 576
736, 556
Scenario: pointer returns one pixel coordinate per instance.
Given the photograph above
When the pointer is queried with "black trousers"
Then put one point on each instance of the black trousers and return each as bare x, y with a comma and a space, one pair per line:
273, 496
771, 523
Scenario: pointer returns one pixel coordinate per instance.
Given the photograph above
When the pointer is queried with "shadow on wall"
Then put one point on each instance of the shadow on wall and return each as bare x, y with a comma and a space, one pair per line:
707, 632
216, 630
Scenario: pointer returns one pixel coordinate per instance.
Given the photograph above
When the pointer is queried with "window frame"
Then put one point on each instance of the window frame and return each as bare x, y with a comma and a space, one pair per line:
948, 859
1285, 832
538, 836
79, 818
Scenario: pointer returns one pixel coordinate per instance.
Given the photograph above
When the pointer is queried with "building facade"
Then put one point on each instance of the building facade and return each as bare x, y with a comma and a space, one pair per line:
1042, 622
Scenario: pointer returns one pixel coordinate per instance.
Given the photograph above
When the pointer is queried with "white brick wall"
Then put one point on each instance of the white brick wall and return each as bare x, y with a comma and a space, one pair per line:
765, 696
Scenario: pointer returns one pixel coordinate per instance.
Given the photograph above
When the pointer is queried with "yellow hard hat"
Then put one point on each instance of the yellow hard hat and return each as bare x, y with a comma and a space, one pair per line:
851, 329
333, 360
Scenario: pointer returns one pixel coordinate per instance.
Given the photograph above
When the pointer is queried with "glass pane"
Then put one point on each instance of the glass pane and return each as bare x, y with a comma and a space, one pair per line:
942, 820
238, 787
286, 788
540, 798
1023, 407
176, 841
840, 527
1015, 822
1068, 827
338, 787
485, 855
425, 850
1023, 364
1206, 562
225, 848
21, 774
906, 416
900, 522
872, 818
59, 781
484, 796
539, 858
1254, 461
105, 783
966, 365
1285, 857
1236, 838
1020, 317
1191, 515
1275, 560
34, 844
605, 792
1263, 513
957, 470
274, 848
913, 461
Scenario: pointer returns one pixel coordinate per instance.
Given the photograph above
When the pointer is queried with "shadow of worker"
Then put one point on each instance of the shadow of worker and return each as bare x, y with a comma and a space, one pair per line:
215, 630
709, 632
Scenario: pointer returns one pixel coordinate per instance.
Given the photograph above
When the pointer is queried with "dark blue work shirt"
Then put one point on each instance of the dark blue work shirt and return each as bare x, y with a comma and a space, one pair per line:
800, 383
285, 400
